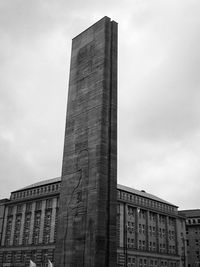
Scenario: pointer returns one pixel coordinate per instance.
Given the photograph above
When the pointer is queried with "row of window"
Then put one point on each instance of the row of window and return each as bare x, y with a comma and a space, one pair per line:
26, 256
36, 191
193, 221
152, 246
29, 206
131, 229
35, 241
132, 261
193, 230
142, 214
145, 201
26, 228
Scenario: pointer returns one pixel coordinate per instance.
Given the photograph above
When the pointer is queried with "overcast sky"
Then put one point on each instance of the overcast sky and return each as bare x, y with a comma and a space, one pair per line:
158, 88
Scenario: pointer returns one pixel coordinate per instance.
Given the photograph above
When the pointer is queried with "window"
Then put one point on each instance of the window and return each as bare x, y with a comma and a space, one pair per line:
9, 224
33, 255
18, 223
38, 205
131, 261
19, 208
154, 230
28, 206
10, 210
143, 245
143, 229
7, 241
16, 240
37, 219
26, 238
36, 238
23, 256
150, 230
27, 221
49, 203
140, 244
44, 256
46, 238
58, 202
164, 246
131, 211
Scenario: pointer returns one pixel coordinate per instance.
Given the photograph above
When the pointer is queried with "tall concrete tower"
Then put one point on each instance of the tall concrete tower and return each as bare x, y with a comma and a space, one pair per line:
86, 234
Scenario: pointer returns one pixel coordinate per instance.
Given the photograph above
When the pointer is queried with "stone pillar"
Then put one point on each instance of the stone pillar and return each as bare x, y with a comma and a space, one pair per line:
4, 227
147, 230
32, 222
53, 220
157, 233
121, 225
86, 234
167, 234
42, 221
22, 224
13, 225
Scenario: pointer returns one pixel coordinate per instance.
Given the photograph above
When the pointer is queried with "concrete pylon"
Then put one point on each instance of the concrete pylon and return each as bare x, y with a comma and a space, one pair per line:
86, 233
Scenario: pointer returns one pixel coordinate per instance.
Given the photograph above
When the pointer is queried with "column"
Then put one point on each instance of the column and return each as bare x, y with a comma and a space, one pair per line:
53, 220
32, 223
4, 226
22, 224
13, 225
42, 221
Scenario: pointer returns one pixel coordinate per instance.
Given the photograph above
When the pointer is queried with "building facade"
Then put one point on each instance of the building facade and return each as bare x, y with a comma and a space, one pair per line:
150, 232
192, 236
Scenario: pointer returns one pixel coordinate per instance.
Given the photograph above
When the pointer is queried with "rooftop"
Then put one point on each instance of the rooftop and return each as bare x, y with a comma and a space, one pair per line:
43, 182
190, 213
141, 193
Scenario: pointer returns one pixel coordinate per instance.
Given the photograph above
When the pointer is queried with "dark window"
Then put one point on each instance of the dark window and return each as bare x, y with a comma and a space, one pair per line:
38, 205
19, 208
10, 210
48, 203
28, 206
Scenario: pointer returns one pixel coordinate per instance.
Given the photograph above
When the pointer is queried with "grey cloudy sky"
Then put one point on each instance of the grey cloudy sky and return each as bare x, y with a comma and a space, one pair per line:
159, 91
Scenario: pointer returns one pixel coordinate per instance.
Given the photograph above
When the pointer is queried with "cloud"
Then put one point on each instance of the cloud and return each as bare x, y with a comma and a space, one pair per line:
159, 82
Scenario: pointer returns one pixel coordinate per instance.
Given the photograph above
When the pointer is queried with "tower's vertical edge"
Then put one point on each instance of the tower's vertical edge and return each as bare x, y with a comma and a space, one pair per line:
86, 234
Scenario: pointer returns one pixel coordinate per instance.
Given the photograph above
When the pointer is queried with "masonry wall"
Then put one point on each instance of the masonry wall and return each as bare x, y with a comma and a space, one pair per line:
149, 233
87, 216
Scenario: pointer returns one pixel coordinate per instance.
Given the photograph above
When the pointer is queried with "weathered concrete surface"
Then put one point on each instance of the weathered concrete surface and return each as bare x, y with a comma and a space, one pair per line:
86, 234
